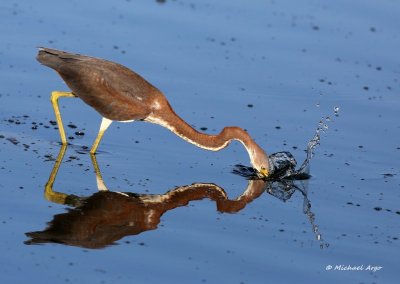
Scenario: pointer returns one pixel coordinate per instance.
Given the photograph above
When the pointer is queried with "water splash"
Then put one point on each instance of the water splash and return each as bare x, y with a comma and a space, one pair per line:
311, 218
281, 181
315, 141
336, 110
284, 189
283, 164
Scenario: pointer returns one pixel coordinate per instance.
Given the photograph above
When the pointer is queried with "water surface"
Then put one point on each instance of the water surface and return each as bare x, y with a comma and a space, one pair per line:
275, 68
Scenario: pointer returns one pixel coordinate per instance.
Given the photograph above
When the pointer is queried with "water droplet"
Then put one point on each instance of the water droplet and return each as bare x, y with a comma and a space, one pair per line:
315, 141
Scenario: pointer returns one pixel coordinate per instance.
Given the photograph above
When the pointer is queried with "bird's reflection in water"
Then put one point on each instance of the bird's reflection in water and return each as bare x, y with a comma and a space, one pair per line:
106, 216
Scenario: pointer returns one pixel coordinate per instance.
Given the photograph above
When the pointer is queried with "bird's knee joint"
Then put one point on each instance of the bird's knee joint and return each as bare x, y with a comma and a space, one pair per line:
56, 94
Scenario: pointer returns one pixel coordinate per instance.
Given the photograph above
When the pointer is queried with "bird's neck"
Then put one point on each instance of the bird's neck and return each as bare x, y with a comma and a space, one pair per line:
177, 125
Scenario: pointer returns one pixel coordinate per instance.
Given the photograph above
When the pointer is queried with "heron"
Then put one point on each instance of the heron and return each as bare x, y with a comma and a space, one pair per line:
120, 94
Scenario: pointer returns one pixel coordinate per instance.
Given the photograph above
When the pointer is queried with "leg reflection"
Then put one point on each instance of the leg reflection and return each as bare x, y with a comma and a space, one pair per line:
59, 197
99, 179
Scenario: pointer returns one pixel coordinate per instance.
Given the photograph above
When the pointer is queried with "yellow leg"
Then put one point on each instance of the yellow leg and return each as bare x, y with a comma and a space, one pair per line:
54, 101
105, 123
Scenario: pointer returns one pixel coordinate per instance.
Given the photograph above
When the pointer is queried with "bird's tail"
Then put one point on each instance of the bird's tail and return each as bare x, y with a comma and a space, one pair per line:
53, 58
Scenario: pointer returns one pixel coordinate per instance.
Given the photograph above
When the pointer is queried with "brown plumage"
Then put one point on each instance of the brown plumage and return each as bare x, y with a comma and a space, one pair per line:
116, 92
106, 216
119, 94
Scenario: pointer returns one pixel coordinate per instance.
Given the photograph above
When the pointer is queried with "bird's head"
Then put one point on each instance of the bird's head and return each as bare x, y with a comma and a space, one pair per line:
280, 165
261, 163
263, 172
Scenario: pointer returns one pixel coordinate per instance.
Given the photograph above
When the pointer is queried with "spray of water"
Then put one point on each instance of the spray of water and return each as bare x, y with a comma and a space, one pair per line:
315, 141
284, 164
282, 181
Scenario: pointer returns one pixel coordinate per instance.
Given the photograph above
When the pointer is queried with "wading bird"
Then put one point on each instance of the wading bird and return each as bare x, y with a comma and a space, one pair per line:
119, 94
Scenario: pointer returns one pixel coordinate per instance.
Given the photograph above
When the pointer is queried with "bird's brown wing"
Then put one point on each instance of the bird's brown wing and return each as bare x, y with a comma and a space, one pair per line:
115, 91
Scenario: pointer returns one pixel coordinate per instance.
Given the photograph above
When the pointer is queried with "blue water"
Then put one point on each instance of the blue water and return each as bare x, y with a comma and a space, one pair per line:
274, 68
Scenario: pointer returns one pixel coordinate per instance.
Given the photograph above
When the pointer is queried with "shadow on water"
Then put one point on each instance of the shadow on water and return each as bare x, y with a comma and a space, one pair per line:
105, 217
